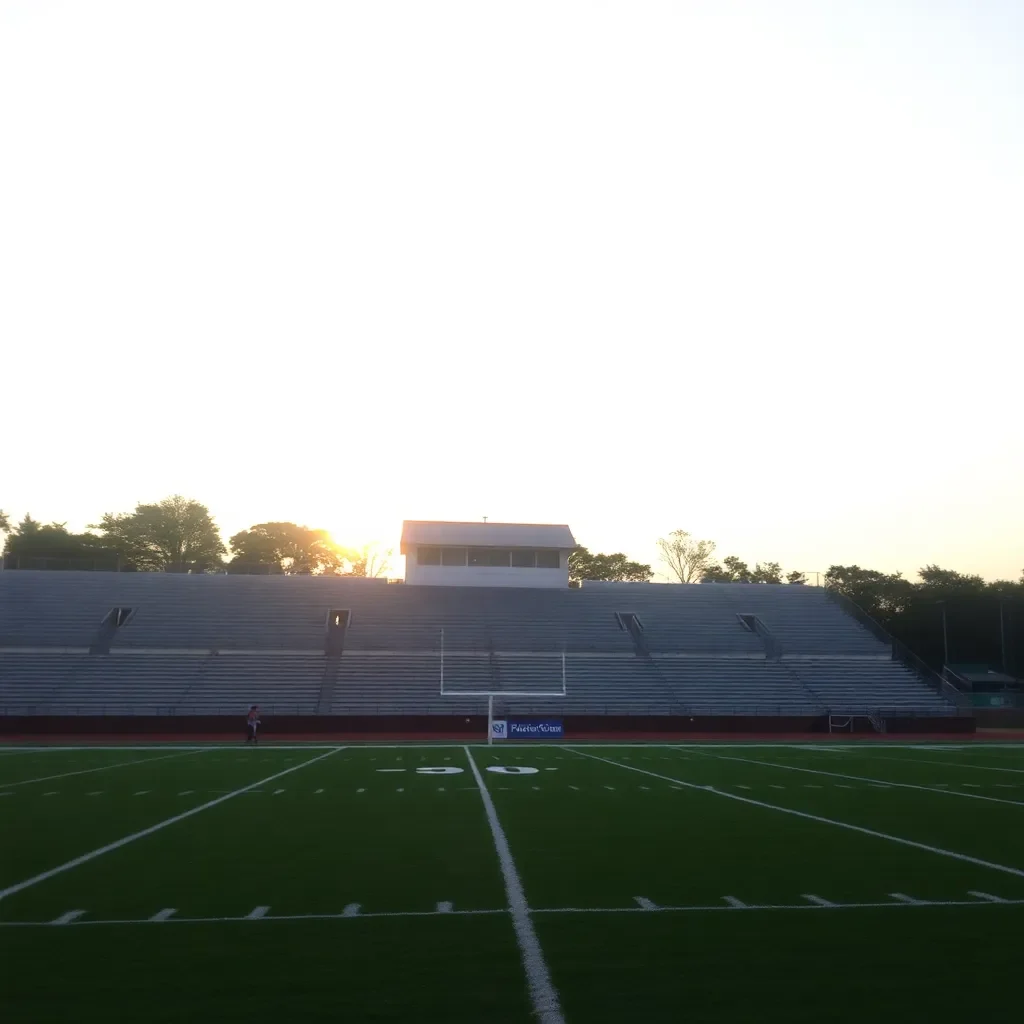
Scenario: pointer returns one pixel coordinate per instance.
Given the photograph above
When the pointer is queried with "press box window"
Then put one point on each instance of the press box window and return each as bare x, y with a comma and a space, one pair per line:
524, 559
428, 556
453, 556
549, 560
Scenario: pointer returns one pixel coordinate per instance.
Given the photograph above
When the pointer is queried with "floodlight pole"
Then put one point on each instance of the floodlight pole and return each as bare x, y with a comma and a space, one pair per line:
490, 720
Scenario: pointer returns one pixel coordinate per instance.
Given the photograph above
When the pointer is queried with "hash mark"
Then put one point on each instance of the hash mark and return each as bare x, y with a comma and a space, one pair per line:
360, 790
904, 898
277, 791
185, 792
257, 913
644, 903
444, 907
351, 910
95, 792
67, 918
986, 896
141, 792
319, 790
162, 915
811, 898
733, 902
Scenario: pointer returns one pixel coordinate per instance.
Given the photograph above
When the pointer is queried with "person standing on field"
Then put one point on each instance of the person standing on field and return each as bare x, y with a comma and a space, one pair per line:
252, 723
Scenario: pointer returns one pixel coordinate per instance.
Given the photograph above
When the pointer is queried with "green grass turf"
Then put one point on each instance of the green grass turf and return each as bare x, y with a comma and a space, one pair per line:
584, 834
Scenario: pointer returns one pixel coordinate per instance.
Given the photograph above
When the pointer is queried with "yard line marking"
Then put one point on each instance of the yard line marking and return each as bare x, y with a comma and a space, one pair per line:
67, 918
102, 768
986, 896
142, 792
938, 788
186, 792
444, 907
733, 902
774, 786
278, 791
644, 903
542, 991
738, 786
351, 910
95, 792
645, 787
904, 898
748, 908
257, 914
817, 900
973, 785
53, 792
163, 915
818, 818
118, 843
842, 785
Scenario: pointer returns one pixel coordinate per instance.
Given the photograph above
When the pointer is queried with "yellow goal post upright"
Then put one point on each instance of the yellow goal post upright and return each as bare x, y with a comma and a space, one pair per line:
491, 694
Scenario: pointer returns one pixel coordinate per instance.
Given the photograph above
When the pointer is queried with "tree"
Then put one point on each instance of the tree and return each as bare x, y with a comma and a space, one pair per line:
32, 544
5, 523
732, 570
946, 580
368, 561
796, 578
173, 535
614, 568
883, 596
285, 548
685, 557
769, 572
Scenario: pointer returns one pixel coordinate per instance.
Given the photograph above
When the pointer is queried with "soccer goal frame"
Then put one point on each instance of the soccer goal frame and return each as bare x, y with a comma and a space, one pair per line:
491, 694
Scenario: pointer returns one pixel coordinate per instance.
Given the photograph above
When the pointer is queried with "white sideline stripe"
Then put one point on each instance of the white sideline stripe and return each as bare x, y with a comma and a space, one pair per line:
733, 902
817, 900
904, 898
351, 910
751, 907
952, 764
644, 903
542, 992
163, 915
257, 914
102, 768
118, 843
986, 896
67, 918
861, 778
966, 858
444, 907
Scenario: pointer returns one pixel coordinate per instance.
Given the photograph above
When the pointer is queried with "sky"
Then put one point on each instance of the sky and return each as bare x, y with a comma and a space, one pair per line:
747, 269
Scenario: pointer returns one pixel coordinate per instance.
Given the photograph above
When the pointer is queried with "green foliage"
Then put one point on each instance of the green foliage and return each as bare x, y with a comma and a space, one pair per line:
285, 548
173, 535
796, 578
5, 523
32, 544
615, 568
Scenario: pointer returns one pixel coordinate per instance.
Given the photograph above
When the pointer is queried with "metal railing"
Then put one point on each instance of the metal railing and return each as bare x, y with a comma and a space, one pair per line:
901, 653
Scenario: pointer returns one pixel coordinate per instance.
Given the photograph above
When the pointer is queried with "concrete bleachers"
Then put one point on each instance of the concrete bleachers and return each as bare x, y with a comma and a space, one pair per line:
849, 686
215, 644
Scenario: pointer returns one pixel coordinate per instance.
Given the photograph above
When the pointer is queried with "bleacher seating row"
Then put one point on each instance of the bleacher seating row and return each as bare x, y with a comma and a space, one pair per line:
214, 644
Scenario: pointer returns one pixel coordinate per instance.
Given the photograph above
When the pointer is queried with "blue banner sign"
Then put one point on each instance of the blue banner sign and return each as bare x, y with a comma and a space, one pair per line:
535, 729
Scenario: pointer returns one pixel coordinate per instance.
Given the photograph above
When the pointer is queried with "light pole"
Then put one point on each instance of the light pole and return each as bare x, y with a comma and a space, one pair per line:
945, 637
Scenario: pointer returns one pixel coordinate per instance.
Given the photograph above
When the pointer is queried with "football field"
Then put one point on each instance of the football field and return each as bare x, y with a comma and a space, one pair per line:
579, 883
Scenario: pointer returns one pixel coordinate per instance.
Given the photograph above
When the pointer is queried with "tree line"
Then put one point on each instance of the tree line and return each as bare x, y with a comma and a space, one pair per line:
178, 534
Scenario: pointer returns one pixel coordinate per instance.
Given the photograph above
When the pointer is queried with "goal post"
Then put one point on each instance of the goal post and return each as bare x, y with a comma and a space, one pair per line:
491, 694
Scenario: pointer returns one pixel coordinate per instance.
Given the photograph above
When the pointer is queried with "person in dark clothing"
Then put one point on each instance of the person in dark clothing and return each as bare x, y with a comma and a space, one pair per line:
252, 723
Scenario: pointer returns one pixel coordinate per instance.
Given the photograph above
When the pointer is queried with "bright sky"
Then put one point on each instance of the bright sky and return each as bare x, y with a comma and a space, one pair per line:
752, 269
